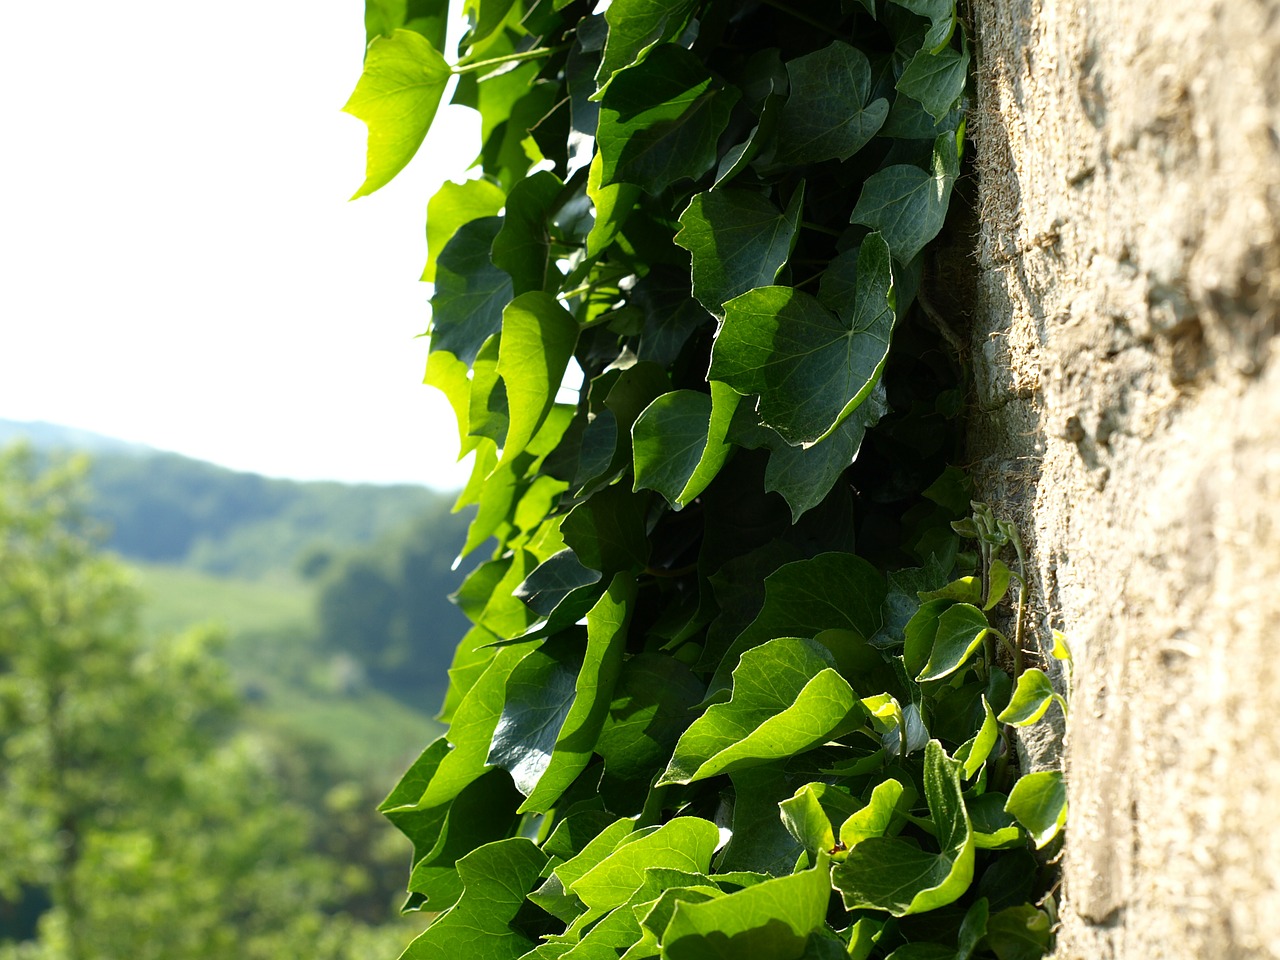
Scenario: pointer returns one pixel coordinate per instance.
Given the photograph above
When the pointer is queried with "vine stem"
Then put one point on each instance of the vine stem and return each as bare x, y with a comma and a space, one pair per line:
524, 55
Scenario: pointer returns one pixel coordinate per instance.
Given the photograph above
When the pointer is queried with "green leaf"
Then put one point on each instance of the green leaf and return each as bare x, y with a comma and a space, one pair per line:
827, 116
523, 246
864, 934
576, 741
1031, 699
936, 79
685, 843
961, 630
787, 698
397, 97
636, 26
1039, 802
832, 591
769, 921
612, 203
538, 337
973, 753
1020, 933
810, 368
607, 531
993, 827
999, 583
466, 309
972, 929
553, 580
738, 241
651, 708
942, 13
874, 819
760, 842
907, 204
660, 120
808, 814
963, 590
495, 878
679, 442
884, 873
426, 17
453, 205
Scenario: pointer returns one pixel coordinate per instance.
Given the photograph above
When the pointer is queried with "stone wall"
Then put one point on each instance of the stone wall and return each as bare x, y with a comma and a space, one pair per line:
1128, 199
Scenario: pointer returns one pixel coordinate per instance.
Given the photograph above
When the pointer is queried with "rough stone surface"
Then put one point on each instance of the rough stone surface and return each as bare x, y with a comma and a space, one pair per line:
1129, 417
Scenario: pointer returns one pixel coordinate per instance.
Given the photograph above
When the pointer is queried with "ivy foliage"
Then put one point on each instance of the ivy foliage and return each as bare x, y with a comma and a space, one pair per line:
731, 689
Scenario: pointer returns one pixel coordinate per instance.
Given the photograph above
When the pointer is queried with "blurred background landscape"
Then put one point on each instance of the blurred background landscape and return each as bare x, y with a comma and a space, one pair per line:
252, 665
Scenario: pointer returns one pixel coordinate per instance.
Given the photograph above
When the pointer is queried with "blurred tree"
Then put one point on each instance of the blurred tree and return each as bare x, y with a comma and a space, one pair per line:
132, 805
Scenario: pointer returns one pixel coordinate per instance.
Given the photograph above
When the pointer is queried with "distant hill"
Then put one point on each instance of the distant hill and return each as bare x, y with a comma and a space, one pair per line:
165, 508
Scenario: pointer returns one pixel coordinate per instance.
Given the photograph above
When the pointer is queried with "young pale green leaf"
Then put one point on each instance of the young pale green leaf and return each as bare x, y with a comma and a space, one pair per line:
999, 577
961, 630
538, 337
495, 878
864, 934
787, 698
994, 828
466, 309
874, 819
612, 204
685, 843
595, 850
883, 873
827, 116
660, 120
963, 590
810, 368
487, 413
1020, 933
907, 204
635, 27
773, 920
1039, 802
679, 442
737, 241
397, 97
808, 816
973, 753
936, 79
1031, 699
453, 205
1060, 649
523, 246
832, 591
593, 692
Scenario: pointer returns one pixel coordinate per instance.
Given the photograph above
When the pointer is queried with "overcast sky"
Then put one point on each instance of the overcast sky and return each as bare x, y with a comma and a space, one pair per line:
181, 266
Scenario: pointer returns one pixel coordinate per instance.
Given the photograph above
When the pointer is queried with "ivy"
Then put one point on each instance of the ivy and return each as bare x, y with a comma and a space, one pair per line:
737, 683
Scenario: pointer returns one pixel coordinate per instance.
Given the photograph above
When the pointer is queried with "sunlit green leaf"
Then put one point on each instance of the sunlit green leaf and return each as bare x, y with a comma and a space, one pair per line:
523, 246
787, 698
538, 337
874, 819
397, 97
810, 368
973, 753
679, 442
994, 828
635, 26
936, 79
1039, 802
961, 630
453, 205
1031, 699
737, 241
908, 204
612, 203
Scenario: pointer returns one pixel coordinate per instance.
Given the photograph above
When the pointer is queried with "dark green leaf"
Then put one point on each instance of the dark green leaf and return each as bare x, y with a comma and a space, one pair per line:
660, 120
1039, 802
651, 708
612, 204
810, 368
495, 879
453, 205
1020, 933
737, 241
907, 204
679, 442
884, 873
470, 293
787, 698
972, 928
993, 827
397, 97
936, 79
523, 246
553, 580
941, 13
827, 116
760, 841
635, 26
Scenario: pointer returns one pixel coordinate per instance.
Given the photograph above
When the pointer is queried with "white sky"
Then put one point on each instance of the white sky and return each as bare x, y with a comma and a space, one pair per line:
180, 266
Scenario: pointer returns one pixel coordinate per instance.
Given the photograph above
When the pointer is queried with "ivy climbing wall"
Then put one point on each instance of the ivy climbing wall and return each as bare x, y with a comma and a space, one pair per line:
1128, 200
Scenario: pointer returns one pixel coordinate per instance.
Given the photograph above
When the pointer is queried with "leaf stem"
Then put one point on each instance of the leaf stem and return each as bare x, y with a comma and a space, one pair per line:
524, 55
819, 228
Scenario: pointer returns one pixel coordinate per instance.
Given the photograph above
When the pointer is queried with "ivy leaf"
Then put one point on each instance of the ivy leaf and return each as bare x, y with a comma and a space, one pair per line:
453, 205
760, 842
936, 79
942, 13
994, 828
973, 753
1039, 802
972, 928
874, 819
807, 815
426, 17
495, 878
787, 698
1031, 699
650, 709
680, 442
635, 26
612, 204
738, 241
553, 580
1020, 933
827, 116
908, 204
466, 309
607, 531
773, 920
832, 591
810, 368
397, 97
523, 246
538, 337
660, 120
884, 873
961, 630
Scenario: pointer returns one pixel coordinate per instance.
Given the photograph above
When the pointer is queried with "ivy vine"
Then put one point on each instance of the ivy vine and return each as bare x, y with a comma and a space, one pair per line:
731, 689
